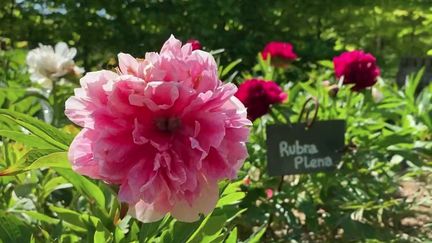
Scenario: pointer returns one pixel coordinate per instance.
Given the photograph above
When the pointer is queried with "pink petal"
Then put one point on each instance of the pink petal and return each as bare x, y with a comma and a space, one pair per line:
146, 212
81, 154
203, 204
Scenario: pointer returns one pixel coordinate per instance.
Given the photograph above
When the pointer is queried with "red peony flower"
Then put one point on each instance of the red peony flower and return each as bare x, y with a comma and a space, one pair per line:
358, 68
281, 53
269, 193
257, 95
196, 45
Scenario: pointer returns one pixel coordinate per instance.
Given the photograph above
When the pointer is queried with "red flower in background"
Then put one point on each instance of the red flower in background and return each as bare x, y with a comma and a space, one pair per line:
257, 95
281, 53
358, 68
196, 45
269, 193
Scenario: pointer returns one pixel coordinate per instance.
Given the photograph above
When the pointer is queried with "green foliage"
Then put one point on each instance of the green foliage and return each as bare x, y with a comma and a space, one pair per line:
388, 142
388, 139
101, 29
74, 208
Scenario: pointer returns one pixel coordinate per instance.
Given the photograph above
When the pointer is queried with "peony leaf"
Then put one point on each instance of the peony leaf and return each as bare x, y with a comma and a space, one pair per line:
179, 231
231, 194
39, 216
228, 68
12, 229
255, 237
39, 128
412, 83
53, 184
232, 238
230, 199
148, 230
326, 63
29, 140
57, 160
101, 234
71, 218
209, 230
84, 186
24, 162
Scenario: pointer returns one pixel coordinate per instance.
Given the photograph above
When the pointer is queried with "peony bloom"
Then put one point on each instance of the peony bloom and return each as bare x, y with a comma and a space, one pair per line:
164, 128
257, 95
281, 53
269, 193
358, 68
196, 45
47, 64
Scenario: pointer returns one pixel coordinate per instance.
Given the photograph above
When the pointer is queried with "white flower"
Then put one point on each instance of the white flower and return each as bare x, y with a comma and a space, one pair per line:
377, 95
47, 65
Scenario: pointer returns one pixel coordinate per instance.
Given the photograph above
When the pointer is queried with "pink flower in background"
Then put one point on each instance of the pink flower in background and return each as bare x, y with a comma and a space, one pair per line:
164, 128
358, 68
258, 95
281, 53
269, 193
196, 45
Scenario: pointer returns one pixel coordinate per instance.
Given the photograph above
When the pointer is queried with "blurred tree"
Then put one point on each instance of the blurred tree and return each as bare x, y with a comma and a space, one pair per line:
318, 29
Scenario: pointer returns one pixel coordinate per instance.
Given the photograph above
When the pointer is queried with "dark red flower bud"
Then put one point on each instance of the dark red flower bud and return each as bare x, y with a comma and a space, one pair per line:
258, 95
196, 45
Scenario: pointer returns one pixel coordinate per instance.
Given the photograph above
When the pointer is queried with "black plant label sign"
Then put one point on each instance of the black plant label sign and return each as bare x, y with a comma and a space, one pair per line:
296, 149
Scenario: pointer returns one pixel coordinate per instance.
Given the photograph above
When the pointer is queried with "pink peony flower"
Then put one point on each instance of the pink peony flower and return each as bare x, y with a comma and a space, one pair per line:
281, 53
257, 95
164, 128
196, 45
269, 193
358, 68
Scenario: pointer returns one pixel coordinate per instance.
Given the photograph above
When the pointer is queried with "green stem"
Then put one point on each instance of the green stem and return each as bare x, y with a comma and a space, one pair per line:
348, 105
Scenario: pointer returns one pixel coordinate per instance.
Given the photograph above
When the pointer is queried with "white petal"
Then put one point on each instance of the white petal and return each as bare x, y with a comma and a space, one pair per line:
145, 212
204, 204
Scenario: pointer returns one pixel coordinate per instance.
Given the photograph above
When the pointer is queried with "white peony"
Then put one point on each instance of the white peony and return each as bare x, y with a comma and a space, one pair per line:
47, 65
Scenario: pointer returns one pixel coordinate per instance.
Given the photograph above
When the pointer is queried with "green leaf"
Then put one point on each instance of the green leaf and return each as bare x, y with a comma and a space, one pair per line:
230, 199
412, 83
133, 232
231, 194
39, 216
23, 164
101, 235
39, 128
29, 140
119, 236
255, 237
148, 230
84, 186
232, 238
55, 183
71, 218
53, 160
12, 229
179, 231
230, 67
326, 63
210, 229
